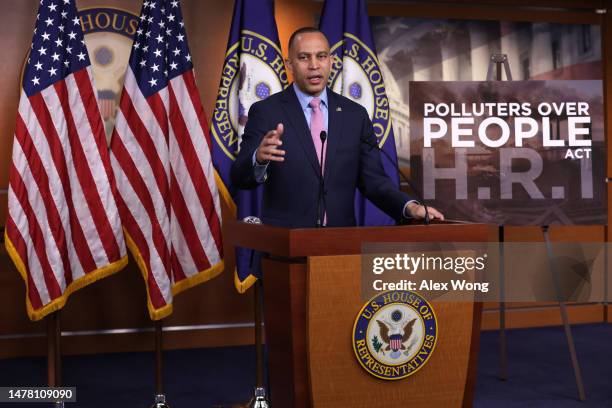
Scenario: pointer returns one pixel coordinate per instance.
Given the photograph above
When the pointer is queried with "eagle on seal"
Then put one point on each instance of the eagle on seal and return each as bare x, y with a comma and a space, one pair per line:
395, 343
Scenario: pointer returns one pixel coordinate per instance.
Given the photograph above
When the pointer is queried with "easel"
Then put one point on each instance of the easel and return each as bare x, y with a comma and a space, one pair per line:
495, 64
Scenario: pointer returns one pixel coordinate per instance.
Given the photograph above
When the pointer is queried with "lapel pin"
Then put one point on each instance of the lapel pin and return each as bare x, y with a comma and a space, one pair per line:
338, 109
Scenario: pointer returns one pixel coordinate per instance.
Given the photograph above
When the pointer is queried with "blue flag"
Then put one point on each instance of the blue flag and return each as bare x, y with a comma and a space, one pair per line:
253, 70
356, 74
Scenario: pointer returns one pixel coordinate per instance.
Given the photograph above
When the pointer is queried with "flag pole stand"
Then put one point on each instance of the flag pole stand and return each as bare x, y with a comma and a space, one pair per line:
160, 397
259, 399
54, 355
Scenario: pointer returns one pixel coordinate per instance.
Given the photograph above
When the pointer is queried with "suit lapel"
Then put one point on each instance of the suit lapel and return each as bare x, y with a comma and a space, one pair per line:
294, 112
334, 132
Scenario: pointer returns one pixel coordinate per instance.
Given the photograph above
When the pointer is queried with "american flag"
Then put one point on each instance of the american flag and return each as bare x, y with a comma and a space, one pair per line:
160, 153
63, 229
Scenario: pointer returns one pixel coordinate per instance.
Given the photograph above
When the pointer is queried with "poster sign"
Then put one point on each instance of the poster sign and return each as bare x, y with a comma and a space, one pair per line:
513, 153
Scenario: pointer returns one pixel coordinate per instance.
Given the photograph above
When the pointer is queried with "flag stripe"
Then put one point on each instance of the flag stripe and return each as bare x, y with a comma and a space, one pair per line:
139, 225
191, 113
192, 90
179, 258
187, 235
90, 216
147, 145
44, 195
194, 180
151, 223
146, 125
142, 179
82, 172
54, 151
80, 220
13, 232
86, 158
35, 207
40, 245
153, 289
84, 79
158, 107
87, 89
140, 241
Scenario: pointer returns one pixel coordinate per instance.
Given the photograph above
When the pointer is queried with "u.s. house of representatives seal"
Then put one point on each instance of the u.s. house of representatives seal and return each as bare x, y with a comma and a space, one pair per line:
253, 70
395, 334
108, 34
356, 74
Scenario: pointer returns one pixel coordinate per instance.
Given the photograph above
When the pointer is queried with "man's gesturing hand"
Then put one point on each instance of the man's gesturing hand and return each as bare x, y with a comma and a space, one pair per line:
269, 147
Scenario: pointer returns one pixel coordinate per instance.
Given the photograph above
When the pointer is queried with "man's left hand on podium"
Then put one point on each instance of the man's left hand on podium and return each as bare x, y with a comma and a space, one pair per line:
417, 211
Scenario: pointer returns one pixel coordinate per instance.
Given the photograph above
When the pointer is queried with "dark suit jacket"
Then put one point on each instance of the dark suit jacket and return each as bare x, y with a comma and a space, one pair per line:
291, 191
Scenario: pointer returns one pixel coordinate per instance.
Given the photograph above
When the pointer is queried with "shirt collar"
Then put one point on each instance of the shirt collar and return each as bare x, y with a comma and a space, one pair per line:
305, 99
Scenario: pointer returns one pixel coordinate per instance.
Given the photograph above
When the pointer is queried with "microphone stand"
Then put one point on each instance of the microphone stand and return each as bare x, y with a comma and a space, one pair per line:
321, 201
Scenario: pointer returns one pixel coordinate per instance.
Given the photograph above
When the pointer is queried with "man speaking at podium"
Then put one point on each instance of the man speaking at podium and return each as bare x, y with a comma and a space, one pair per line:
311, 148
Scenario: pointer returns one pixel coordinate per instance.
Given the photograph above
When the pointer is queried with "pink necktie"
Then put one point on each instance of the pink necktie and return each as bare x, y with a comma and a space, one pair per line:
316, 127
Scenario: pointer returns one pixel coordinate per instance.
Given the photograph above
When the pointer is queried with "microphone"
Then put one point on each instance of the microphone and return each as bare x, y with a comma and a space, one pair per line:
323, 137
374, 145
251, 219
321, 201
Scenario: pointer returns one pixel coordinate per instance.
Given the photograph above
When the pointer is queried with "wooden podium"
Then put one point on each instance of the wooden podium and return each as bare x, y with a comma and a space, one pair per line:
312, 283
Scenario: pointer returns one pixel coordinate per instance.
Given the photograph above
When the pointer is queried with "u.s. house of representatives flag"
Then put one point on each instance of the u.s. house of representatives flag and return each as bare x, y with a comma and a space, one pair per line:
63, 230
161, 156
253, 70
356, 74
